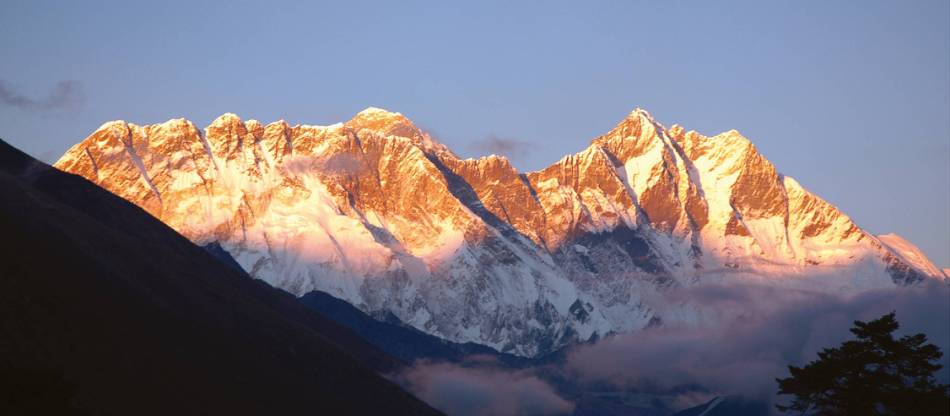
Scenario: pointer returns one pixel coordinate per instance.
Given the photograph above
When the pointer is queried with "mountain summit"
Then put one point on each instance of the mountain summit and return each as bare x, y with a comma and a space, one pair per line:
374, 211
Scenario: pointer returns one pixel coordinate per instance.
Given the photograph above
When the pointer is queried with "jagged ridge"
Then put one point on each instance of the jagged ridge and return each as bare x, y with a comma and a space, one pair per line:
376, 212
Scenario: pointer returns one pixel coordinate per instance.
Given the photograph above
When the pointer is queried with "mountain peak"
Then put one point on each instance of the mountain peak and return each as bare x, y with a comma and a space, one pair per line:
226, 119
632, 135
377, 112
379, 214
389, 123
640, 113
109, 125
733, 133
635, 119
374, 118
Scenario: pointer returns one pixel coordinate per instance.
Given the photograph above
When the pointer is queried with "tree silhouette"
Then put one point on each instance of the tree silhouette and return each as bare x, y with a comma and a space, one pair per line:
874, 374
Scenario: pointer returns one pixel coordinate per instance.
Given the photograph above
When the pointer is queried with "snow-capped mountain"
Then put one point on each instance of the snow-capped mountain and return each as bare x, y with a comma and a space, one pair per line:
376, 212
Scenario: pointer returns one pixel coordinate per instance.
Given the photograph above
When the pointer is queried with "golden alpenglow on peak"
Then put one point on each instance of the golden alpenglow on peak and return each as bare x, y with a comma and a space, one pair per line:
483, 207
373, 211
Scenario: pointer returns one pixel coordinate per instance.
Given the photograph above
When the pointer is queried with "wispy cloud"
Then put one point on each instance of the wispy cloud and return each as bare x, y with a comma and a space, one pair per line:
501, 146
483, 390
65, 95
335, 164
761, 330
748, 336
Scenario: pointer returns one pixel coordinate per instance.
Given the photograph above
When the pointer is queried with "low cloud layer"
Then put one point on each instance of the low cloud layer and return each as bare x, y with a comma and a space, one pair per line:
761, 331
483, 390
501, 146
747, 336
336, 164
65, 95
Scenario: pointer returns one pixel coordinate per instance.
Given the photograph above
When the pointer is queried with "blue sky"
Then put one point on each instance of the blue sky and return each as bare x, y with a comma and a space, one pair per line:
850, 98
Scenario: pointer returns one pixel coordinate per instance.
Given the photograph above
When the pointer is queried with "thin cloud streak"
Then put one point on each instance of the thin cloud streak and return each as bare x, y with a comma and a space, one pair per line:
501, 146
483, 390
66, 95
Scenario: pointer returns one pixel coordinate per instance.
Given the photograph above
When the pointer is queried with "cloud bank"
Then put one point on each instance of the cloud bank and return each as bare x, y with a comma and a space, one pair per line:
66, 95
746, 338
483, 390
761, 331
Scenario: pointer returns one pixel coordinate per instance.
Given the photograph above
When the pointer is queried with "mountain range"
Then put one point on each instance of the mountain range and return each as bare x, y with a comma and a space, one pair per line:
378, 213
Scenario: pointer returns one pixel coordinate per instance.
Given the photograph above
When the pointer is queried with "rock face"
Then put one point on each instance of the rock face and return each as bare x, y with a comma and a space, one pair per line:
376, 212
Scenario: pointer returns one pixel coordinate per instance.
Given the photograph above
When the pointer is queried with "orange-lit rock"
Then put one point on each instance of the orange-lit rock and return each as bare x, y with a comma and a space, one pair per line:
373, 210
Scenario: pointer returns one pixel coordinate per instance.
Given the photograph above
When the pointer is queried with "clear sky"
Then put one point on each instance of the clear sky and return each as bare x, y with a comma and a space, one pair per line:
850, 98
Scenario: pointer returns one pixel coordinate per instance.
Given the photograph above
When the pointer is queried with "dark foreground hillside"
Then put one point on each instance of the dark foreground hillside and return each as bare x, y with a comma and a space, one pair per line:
105, 309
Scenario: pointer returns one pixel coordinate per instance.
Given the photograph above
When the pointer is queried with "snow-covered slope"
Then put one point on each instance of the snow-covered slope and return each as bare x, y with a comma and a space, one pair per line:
376, 212
910, 254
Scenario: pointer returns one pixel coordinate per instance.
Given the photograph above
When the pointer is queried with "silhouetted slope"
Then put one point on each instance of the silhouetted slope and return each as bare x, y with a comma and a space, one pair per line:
386, 332
141, 321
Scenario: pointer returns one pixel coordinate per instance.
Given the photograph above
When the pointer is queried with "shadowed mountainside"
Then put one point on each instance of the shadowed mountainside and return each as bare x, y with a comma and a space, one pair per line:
138, 320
